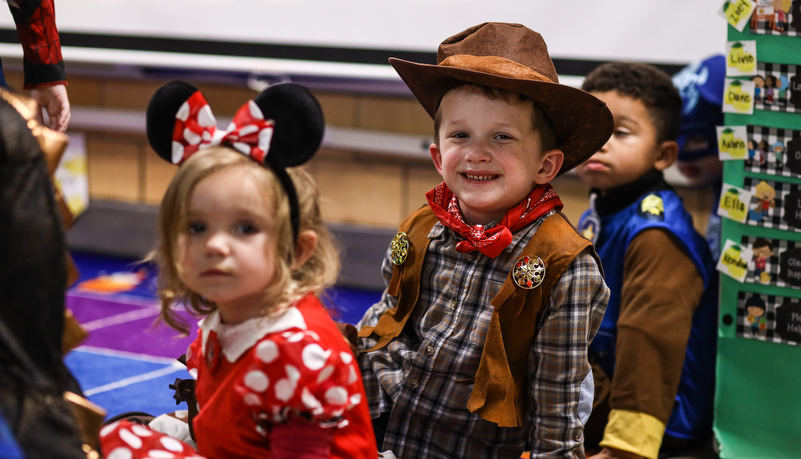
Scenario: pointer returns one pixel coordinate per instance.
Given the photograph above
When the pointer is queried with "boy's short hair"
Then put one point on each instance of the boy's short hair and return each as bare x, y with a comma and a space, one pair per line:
646, 83
540, 121
760, 242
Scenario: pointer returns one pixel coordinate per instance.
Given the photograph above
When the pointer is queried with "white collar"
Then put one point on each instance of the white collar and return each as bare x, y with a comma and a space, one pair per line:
238, 338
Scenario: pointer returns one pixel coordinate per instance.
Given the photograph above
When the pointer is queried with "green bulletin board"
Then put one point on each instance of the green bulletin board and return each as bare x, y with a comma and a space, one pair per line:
758, 397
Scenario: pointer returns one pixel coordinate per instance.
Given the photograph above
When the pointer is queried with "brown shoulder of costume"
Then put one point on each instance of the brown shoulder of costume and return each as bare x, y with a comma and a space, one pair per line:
414, 229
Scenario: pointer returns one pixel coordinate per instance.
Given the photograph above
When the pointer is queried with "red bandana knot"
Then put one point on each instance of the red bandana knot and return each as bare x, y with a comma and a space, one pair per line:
491, 242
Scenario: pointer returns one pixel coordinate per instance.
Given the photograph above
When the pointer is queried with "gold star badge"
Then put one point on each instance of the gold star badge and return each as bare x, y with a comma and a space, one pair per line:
652, 207
589, 232
399, 248
529, 272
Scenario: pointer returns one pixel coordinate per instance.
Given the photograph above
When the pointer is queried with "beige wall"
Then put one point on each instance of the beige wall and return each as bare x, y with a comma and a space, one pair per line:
357, 187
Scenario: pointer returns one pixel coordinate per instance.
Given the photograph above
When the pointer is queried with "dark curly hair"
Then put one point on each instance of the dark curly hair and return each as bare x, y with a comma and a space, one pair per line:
645, 83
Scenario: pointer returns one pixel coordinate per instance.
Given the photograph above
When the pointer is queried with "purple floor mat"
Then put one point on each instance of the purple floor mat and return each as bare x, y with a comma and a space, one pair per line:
128, 323
127, 362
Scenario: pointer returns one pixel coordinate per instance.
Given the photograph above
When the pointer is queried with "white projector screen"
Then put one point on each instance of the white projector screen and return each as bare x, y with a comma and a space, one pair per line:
351, 31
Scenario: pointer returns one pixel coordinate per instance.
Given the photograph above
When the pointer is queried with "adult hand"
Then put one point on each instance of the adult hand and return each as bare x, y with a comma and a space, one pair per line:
613, 453
54, 99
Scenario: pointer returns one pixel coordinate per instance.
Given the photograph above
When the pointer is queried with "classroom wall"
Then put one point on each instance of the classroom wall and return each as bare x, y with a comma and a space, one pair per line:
357, 188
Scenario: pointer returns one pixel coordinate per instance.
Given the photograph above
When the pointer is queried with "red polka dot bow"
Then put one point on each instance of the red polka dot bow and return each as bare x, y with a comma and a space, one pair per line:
284, 120
196, 128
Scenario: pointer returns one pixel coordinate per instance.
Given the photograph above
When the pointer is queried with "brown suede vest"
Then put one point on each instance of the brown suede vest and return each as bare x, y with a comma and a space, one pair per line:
498, 394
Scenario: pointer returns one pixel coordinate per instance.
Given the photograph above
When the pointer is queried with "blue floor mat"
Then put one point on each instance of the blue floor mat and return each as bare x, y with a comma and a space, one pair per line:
122, 382
132, 372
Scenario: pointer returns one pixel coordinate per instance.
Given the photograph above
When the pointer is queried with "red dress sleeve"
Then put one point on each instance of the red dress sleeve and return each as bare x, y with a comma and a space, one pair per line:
194, 355
124, 439
294, 375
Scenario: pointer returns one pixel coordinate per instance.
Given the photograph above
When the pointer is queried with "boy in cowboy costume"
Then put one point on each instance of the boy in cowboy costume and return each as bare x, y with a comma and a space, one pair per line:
478, 348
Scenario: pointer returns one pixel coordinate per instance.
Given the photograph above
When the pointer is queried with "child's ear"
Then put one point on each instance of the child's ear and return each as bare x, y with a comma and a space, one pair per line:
305, 247
436, 156
551, 164
666, 155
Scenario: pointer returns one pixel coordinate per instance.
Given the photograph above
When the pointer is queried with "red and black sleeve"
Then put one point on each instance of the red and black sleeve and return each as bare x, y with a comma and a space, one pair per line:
36, 28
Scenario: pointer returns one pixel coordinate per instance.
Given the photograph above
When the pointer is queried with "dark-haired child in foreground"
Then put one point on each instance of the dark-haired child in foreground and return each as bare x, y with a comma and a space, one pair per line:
656, 345
478, 348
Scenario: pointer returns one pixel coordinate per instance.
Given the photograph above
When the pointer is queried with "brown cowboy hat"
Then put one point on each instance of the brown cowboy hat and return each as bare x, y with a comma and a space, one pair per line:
514, 58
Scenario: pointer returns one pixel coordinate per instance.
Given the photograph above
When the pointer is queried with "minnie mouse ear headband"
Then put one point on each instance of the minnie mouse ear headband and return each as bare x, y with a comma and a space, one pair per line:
514, 58
282, 127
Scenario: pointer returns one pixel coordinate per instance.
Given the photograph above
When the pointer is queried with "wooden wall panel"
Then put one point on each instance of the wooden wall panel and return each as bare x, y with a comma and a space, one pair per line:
84, 91
574, 195
338, 109
357, 187
114, 167
13, 78
420, 179
395, 114
157, 176
127, 94
225, 100
699, 204
363, 193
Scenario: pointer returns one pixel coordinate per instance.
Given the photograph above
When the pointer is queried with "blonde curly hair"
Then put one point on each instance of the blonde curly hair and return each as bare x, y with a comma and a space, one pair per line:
314, 276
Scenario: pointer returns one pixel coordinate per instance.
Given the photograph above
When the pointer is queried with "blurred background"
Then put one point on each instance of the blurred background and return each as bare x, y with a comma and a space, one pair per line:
373, 169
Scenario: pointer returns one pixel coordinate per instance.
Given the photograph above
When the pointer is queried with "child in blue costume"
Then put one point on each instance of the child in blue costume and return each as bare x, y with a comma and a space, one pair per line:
656, 345
701, 87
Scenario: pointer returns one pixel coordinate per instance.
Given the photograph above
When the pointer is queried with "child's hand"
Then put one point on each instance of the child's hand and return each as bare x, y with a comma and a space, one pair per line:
351, 335
54, 100
612, 453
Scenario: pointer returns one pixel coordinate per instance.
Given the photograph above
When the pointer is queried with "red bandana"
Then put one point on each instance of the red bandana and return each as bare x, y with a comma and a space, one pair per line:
491, 242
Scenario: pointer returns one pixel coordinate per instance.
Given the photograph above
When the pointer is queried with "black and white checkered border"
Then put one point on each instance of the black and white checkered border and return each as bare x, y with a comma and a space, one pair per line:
744, 329
775, 216
779, 104
772, 165
762, 28
771, 264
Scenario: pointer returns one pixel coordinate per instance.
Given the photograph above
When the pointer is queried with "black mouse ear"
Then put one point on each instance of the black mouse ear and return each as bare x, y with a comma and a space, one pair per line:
299, 123
161, 111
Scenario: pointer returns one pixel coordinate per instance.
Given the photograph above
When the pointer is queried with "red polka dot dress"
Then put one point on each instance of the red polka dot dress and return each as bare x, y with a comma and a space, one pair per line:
263, 373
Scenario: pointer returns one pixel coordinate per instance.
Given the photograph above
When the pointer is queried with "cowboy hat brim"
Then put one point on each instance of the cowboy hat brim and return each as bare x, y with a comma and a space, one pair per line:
583, 122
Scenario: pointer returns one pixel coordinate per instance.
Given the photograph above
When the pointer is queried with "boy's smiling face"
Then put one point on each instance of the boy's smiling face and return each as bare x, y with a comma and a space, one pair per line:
632, 151
489, 155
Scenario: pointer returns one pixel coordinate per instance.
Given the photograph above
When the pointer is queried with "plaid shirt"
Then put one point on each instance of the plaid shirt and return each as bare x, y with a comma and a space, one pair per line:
424, 377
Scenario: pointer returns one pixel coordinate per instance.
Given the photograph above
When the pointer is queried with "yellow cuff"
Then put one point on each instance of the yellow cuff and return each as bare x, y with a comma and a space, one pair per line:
635, 432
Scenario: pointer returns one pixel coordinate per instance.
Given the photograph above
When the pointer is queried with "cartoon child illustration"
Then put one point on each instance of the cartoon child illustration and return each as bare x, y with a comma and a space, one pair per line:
766, 199
762, 251
778, 153
759, 83
751, 151
781, 83
755, 307
780, 8
770, 83
761, 154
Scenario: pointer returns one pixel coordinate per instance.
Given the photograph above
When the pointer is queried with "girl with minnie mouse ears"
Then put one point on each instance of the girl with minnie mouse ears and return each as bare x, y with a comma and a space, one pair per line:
242, 243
